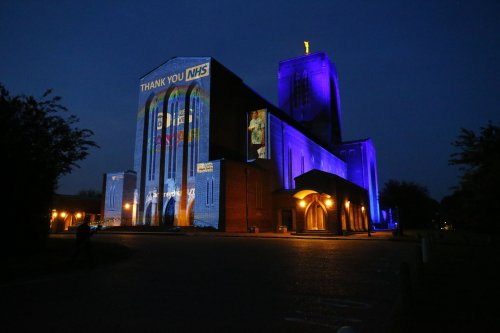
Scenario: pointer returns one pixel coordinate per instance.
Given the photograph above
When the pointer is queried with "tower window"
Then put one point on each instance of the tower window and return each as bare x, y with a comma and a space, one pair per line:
300, 91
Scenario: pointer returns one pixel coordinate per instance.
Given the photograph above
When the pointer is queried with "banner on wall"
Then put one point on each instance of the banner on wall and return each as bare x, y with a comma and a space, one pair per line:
257, 136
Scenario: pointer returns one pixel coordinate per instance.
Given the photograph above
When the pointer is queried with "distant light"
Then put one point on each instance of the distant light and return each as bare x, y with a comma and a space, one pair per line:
63, 214
328, 202
302, 203
54, 214
347, 204
126, 206
78, 215
362, 208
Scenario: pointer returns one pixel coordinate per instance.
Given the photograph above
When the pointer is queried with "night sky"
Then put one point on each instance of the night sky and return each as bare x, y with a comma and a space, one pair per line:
411, 73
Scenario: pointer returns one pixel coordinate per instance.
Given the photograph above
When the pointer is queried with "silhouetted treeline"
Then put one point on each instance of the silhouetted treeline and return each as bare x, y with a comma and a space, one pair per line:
38, 146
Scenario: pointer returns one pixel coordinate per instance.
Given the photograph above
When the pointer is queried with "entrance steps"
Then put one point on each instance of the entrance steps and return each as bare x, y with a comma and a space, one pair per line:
315, 233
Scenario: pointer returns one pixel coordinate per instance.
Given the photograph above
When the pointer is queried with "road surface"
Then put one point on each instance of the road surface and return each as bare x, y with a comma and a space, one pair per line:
209, 283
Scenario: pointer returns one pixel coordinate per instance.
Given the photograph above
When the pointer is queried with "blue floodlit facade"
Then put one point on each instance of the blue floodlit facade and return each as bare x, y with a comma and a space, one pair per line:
210, 152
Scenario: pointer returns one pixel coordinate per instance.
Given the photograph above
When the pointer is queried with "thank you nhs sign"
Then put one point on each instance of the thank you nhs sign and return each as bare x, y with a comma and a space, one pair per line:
191, 73
197, 72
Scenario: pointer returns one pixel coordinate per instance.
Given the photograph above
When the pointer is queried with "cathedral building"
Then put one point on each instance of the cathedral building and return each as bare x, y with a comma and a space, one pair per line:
211, 153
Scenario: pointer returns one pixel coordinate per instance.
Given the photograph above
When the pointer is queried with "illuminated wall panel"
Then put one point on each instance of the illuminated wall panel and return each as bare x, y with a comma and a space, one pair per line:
207, 203
119, 198
294, 154
361, 160
171, 139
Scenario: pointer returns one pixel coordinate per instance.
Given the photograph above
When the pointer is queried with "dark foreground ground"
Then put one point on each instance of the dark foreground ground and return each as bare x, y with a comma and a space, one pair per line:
455, 291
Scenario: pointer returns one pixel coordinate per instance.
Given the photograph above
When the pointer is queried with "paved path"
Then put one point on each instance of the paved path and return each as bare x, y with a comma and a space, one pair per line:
209, 283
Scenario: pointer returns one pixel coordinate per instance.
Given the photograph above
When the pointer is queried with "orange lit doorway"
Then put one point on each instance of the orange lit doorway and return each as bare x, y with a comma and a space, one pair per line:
315, 217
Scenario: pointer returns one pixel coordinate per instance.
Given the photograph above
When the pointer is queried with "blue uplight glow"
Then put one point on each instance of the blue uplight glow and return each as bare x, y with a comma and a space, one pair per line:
308, 92
296, 154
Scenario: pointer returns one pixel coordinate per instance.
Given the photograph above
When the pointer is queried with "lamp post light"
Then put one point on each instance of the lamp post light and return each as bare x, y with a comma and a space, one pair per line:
78, 216
347, 204
126, 214
63, 215
53, 220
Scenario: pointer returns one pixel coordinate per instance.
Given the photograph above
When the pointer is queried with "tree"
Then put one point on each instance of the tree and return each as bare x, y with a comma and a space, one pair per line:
90, 193
453, 212
38, 147
479, 187
414, 207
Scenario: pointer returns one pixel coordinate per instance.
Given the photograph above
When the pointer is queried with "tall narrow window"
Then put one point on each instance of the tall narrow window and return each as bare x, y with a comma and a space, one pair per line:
304, 89
193, 136
175, 122
170, 130
296, 90
212, 192
111, 197
153, 115
209, 197
207, 194
302, 164
300, 91
290, 168
172, 123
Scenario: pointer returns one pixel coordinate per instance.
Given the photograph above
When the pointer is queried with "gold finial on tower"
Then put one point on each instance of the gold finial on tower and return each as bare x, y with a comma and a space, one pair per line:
306, 44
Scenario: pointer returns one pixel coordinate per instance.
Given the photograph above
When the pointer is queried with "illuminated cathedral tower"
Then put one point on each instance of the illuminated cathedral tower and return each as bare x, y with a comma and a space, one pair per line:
308, 92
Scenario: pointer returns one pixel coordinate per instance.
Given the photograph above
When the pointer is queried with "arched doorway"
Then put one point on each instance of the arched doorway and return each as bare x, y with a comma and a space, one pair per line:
169, 213
315, 216
191, 212
148, 214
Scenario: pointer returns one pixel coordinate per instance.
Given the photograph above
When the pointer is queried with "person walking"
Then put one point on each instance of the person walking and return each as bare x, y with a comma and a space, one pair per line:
83, 234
